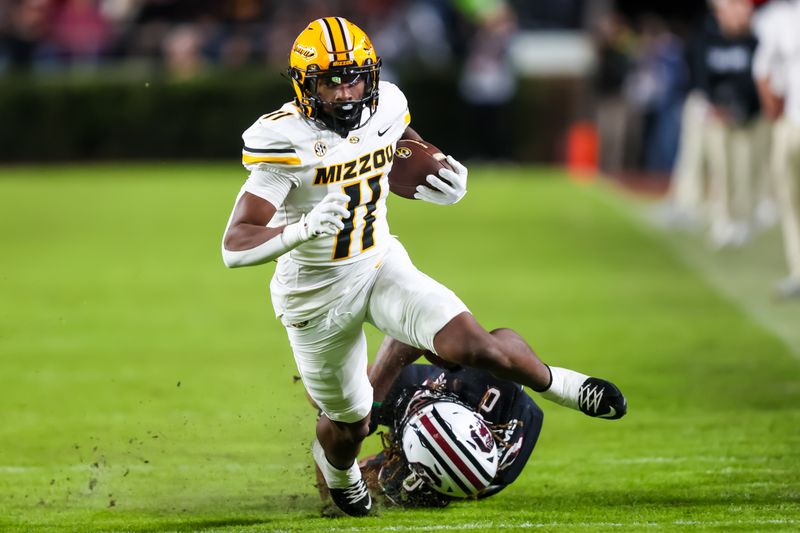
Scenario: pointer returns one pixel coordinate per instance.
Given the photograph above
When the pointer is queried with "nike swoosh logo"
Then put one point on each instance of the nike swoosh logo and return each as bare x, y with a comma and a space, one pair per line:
609, 414
380, 133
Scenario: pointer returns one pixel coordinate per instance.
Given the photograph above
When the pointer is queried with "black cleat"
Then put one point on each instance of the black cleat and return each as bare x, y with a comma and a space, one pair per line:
602, 399
353, 500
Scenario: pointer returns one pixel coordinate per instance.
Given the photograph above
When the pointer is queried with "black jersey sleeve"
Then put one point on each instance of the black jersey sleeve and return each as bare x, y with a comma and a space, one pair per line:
724, 68
411, 376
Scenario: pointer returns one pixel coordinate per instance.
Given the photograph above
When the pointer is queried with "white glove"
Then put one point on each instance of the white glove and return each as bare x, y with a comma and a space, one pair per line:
326, 217
445, 193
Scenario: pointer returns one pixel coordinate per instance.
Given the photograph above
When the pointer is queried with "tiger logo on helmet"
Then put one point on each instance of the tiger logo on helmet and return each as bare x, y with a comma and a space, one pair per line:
337, 51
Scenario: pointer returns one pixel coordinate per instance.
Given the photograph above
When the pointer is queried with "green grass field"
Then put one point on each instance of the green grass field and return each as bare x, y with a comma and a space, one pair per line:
146, 388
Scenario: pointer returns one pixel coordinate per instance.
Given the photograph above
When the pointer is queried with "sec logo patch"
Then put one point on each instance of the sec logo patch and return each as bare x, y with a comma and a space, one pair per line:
320, 148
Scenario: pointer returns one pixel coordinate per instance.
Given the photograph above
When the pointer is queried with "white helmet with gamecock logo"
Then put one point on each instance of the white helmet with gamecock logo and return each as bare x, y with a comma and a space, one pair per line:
451, 448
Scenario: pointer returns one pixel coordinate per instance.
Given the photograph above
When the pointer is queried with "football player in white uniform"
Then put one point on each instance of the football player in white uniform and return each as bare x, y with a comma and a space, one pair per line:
315, 200
776, 68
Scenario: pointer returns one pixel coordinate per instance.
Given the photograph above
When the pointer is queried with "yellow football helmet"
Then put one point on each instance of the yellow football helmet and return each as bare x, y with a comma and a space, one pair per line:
334, 49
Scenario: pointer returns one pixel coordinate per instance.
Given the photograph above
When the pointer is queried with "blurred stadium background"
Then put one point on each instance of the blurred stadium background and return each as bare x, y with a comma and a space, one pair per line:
146, 388
489, 79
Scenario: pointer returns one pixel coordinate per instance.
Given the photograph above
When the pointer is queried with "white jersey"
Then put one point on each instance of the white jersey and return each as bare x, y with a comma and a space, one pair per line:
293, 164
778, 55
285, 149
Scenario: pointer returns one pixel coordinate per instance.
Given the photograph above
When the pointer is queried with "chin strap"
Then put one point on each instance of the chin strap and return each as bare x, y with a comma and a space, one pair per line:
340, 126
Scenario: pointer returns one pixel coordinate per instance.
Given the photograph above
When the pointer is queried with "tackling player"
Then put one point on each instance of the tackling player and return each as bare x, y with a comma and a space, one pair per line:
411, 479
315, 200
434, 480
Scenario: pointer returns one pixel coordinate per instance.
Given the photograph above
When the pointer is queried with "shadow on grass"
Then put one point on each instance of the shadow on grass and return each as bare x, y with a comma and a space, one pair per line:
213, 514
201, 524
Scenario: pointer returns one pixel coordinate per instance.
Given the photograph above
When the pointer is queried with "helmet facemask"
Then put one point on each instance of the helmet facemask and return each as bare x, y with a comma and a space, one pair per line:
334, 50
342, 116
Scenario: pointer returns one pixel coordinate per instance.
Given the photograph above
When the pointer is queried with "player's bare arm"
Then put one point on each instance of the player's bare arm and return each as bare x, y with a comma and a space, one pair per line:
390, 360
247, 228
248, 241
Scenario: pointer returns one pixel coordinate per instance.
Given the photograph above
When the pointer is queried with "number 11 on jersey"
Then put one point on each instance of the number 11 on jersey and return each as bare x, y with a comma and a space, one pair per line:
341, 249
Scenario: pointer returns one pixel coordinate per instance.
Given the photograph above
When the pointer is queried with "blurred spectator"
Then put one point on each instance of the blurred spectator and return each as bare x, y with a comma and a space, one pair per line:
766, 206
24, 25
80, 32
412, 35
727, 81
183, 56
657, 87
686, 205
409, 33
550, 14
423, 38
488, 81
700, 142
777, 70
615, 45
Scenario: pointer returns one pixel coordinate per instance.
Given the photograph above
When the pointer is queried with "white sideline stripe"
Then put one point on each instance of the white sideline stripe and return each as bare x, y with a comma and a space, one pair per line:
570, 525
696, 260
756, 313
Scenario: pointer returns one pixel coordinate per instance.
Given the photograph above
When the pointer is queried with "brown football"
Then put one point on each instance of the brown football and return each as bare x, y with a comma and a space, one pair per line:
413, 161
